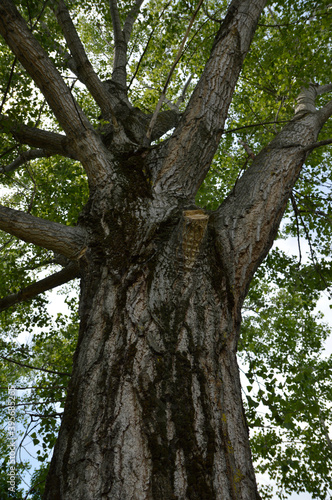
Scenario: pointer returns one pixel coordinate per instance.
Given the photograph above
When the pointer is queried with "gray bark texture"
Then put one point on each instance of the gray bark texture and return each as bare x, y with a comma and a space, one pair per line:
154, 409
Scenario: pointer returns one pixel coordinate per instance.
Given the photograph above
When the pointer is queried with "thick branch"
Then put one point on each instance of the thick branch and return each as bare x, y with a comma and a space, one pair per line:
318, 144
50, 142
306, 100
130, 19
191, 149
248, 220
121, 39
31, 291
82, 64
24, 158
86, 143
35, 60
66, 240
325, 113
323, 89
119, 74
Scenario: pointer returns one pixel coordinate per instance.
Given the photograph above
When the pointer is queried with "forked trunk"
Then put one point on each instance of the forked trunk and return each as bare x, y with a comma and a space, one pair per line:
154, 408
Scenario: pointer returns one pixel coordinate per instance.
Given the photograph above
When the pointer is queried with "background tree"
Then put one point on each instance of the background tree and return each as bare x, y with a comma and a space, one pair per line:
154, 405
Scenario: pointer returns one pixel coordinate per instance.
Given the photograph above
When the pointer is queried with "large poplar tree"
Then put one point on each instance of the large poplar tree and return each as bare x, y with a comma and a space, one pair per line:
154, 407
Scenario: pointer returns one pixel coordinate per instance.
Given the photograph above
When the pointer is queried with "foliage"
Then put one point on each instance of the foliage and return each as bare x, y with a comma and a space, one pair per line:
287, 390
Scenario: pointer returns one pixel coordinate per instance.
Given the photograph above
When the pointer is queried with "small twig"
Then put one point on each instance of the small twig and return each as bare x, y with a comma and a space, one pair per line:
8, 242
40, 113
141, 59
259, 124
206, 12
64, 374
277, 115
184, 91
325, 430
33, 487
312, 253
248, 150
4, 388
33, 192
8, 85
296, 212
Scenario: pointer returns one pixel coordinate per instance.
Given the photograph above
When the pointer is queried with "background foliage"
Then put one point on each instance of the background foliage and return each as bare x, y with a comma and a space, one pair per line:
287, 384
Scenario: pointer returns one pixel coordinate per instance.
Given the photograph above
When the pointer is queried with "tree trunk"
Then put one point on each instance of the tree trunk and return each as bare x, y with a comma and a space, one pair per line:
154, 408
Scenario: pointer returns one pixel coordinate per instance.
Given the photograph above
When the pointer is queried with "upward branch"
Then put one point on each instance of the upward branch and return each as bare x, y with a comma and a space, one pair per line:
83, 65
130, 19
171, 71
121, 39
31, 291
37, 63
86, 143
120, 47
194, 142
68, 241
248, 220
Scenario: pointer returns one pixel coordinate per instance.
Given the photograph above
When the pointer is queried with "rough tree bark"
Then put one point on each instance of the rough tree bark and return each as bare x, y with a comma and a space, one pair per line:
154, 406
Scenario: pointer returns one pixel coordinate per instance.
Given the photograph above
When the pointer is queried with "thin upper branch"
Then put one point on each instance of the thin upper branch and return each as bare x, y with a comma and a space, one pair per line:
121, 39
83, 66
37, 63
147, 44
325, 430
66, 240
130, 19
24, 365
171, 71
31, 291
8, 85
260, 124
119, 74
